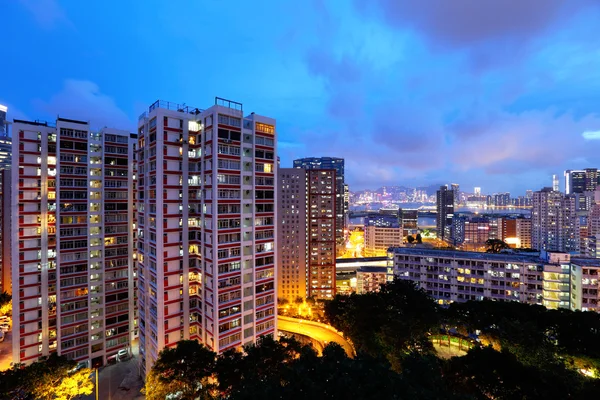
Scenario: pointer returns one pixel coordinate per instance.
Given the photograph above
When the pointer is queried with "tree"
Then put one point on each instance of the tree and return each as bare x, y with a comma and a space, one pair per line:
410, 239
185, 370
5, 304
495, 245
419, 239
76, 384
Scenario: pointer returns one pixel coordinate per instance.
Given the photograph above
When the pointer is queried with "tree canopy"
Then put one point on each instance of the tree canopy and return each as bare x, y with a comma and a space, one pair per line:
53, 377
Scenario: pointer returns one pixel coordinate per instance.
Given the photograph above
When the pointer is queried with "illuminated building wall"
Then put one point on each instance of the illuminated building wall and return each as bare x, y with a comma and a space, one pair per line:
73, 243
207, 222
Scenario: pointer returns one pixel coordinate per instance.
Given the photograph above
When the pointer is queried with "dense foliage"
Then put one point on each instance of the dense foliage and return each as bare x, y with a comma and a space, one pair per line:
533, 353
52, 378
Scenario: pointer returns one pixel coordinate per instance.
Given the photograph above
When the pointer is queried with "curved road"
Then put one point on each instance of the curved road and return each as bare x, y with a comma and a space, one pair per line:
315, 331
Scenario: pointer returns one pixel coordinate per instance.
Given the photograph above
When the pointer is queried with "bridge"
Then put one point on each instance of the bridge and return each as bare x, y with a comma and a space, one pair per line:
321, 333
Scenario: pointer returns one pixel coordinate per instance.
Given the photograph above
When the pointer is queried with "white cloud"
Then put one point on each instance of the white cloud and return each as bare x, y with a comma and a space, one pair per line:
591, 135
83, 100
47, 13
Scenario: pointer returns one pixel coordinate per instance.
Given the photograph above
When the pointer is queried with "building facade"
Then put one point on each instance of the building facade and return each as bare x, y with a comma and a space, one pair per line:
206, 227
73, 242
554, 280
292, 234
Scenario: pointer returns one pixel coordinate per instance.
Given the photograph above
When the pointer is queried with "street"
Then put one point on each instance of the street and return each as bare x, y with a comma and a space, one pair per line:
119, 381
313, 330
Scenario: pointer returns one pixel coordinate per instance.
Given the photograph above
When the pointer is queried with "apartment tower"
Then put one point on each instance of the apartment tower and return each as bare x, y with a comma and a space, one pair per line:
341, 207
206, 227
73, 243
292, 234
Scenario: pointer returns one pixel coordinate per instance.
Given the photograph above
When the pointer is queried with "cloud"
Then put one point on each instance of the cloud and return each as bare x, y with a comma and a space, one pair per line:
458, 91
466, 22
591, 135
83, 100
48, 13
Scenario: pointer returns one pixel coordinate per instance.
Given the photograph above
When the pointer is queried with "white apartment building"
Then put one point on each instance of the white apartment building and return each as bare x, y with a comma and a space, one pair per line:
73, 272
206, 227
552, 279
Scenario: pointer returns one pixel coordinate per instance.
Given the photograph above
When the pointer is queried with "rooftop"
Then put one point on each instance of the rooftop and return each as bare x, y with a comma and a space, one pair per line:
505, 257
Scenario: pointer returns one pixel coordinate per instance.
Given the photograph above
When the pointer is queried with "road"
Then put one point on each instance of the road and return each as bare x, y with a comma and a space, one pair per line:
315, 331
119, 381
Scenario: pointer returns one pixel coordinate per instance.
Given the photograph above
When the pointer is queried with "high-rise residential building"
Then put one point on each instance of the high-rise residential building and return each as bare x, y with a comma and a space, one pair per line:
547, 220
73, 244
346, 204
292, 235
516, 232
336, 164
5, 226
554, 280
408, 220
571, 225
574, 181
5, 163
206, 227
321, 203
381, 233
456, 190
5, 140
445, 211
554, 222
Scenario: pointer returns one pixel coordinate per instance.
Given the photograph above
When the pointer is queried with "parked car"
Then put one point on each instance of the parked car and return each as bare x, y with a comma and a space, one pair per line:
122, 355
4, 327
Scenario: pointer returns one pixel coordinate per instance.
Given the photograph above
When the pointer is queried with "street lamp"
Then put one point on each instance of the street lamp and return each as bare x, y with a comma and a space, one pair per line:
96, 383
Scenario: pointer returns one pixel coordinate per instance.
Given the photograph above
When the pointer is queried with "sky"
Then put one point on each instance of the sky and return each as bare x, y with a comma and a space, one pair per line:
499, 94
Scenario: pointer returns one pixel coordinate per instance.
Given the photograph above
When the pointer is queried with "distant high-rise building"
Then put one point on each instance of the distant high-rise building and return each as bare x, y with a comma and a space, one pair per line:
477, 191
207, 227
547, 220
5, 140
382, 232
445, 211
456, 190
336, 164
575, 181
591, 179
73, 241
292, 234
5, 211
529, 194
555, 183
408, 220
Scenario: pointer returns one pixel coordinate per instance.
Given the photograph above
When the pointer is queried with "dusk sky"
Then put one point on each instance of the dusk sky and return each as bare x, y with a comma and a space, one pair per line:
408, 92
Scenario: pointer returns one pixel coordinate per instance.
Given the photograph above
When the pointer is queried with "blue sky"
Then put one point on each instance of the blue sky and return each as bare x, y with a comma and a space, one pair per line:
496, 94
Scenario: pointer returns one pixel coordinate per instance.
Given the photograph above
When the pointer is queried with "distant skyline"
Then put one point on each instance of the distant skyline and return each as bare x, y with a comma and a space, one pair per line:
499, 94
